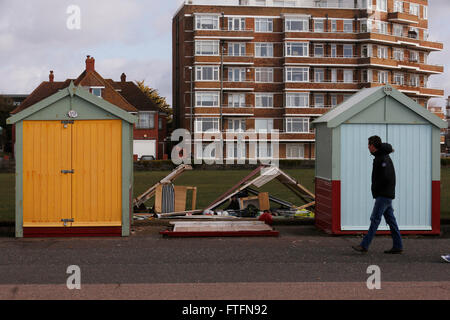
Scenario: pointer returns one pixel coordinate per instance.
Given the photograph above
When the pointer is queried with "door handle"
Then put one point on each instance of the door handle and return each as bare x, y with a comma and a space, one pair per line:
68, 171
65, 221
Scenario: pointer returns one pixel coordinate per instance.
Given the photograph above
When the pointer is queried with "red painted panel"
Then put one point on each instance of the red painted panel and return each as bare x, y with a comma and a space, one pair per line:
436, 206
324, 205
336, 219
72, 232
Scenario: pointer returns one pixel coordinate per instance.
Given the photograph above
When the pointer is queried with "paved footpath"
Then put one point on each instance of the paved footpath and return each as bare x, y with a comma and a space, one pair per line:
302, 263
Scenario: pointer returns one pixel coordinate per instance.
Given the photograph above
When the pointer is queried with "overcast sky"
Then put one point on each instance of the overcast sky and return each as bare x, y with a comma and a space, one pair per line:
131, 36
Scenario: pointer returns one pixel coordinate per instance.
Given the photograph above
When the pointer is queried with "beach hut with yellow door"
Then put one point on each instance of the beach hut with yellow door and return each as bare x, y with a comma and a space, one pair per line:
74, 166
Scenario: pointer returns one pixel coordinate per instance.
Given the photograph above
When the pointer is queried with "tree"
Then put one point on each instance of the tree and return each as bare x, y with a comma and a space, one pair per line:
159, 101
6, 107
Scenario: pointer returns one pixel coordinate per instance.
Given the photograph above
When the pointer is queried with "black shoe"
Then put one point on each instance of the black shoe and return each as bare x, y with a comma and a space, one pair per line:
359, 249
394, 251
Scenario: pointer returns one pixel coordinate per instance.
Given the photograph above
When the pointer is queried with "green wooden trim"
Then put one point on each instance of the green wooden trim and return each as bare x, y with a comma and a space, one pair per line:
355, 109
336, 154
435, 154
73, 91
127, 176
19, 179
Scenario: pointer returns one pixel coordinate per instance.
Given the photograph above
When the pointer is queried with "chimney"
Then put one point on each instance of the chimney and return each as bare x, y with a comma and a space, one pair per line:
51, 76
123, 77
90, 64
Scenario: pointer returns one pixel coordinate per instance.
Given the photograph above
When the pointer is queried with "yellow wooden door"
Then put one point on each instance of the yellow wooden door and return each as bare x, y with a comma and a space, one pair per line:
46, 190
97, 178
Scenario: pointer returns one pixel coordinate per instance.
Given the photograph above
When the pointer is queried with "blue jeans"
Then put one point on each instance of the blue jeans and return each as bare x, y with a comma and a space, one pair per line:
383, 207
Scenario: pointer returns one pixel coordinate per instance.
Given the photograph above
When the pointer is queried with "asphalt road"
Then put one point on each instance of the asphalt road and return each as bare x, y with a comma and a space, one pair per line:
301, 263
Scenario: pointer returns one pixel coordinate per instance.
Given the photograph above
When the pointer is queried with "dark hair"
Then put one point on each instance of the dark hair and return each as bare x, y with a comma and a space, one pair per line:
375, 141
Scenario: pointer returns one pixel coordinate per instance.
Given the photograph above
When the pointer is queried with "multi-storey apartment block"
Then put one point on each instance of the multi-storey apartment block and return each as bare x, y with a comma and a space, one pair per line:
273, 64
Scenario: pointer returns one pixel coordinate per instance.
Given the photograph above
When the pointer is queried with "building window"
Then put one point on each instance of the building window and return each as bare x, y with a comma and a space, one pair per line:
319, 25
319, 100
398, 30
348, 51
236, 74
318, 50
207, 124
366, 51
297, 100
382, 5
333, 25
236, 125
348, 26
295, 151
236, 24
398, 6
97, 91
382, 77
425, 12
348, 76
207, 22
263, 100
263, 25
366, 76
297, 24
264, 150
236, 150
264, 75
207, 48
207, 99
236, 49
366, 26
146, 120
413, 56
382, 52
160, 124
319, 75
333, 100
399, 78
333, 51
297, 74
264, 50
414, 80
297, 49
334, 75
414, 9
236, 100
263, 125
297, 125
382, 27
207, 73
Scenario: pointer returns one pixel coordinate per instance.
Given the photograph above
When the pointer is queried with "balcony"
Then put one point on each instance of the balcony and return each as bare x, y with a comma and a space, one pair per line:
223, 34
324, 86
402, 17
242, 111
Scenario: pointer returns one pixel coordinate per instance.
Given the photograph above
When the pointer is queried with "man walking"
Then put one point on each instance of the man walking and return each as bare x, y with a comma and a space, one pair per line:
383, 191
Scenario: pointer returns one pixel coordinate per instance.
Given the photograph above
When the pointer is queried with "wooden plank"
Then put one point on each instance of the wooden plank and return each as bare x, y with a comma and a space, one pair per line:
264, 203
180, 198
307, 205
158, 198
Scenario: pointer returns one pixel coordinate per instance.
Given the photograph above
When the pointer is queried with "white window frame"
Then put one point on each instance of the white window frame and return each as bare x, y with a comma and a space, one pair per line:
236, 125
200, 73
149, 123
319, 75
201, 44
414, 9
214, 19
398, 6
264, 75
319, 100
399, 78
383, 77
382, 5
237, 74
318, 46
347, 24
260, 22
334, 76
207, 99
297, 100
260, 46
264, 100
303, 21
333, 51
303, 122
290, 49
382, 52
348, 76
316, 24
236, 100
302, 72
241, 48
199, 124
268, 124
398, 54
236, 24
297, 148
347, 47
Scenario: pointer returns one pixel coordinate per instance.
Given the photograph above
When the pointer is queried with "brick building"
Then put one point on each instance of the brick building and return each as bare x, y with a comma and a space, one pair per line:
279, 64
150, 131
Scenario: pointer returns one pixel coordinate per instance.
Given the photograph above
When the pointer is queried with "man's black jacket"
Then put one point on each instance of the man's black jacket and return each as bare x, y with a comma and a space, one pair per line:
383, 173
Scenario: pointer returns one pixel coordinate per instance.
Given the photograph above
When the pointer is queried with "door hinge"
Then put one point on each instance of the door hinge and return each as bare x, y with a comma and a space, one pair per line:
68, 171
66, 221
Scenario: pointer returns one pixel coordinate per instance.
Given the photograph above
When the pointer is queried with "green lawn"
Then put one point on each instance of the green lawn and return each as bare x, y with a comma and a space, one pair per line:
210, 185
